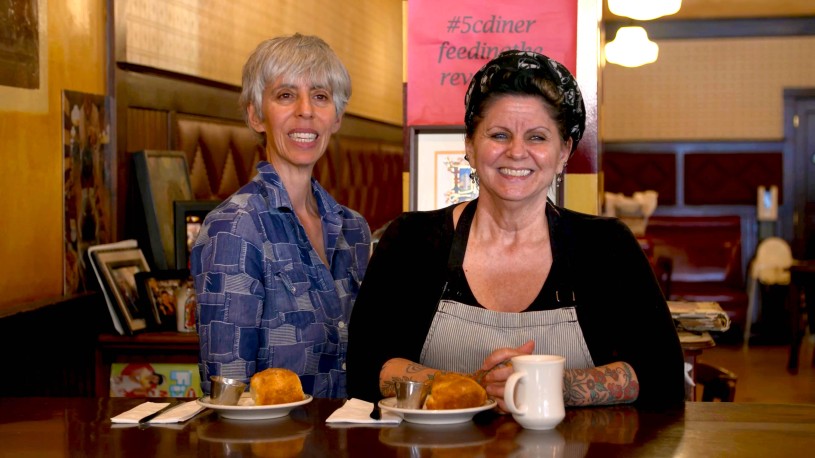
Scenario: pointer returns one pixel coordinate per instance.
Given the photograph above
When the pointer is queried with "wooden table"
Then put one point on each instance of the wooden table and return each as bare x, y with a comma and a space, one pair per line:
81, 427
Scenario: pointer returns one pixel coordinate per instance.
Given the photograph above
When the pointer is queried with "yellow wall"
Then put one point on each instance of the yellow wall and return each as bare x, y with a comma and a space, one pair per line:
717, 89
31, 148
581, 193
213, 38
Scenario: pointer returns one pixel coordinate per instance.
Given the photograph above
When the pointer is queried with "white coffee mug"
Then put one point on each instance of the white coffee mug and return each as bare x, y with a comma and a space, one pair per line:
534, 392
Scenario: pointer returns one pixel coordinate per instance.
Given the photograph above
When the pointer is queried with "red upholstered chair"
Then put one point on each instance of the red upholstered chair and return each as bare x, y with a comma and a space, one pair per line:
706, 261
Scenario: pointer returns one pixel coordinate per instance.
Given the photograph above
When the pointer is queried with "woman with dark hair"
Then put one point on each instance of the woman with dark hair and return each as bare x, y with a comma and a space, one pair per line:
465, 288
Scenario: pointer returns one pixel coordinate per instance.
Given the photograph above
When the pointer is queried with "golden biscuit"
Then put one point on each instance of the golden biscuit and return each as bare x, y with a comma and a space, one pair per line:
455, 391
276, 386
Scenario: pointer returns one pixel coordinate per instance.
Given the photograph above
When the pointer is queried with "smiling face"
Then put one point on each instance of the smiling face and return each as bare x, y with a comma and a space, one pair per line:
517, 149
298, 120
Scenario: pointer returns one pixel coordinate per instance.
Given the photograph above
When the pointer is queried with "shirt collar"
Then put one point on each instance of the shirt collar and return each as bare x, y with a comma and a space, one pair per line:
278, 196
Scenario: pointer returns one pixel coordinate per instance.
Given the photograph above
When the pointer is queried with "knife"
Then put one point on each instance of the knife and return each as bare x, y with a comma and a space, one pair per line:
144, 420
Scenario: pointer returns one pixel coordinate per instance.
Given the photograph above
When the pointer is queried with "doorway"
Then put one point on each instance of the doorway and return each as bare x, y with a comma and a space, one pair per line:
798, 223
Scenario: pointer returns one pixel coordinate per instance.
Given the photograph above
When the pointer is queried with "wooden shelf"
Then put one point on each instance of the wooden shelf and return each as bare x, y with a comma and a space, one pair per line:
148, 347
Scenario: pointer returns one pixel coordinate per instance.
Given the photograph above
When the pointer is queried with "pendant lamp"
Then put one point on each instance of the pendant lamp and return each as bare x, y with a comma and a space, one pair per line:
644, 10
631, 48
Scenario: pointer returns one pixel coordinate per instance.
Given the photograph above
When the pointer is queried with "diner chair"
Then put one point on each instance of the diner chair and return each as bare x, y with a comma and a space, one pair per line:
717, 382
770, 266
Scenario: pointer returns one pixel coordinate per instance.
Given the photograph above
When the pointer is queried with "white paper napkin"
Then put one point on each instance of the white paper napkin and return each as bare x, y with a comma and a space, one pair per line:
180, 413
359, 412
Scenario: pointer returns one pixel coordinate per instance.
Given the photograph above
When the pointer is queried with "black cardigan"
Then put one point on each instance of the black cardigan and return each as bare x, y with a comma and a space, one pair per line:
620, 308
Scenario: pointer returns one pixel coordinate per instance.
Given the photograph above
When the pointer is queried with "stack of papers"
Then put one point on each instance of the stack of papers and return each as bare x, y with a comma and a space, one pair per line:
699, 316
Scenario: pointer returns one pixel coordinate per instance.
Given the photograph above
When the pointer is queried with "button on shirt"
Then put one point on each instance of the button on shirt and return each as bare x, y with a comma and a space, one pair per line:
265, 298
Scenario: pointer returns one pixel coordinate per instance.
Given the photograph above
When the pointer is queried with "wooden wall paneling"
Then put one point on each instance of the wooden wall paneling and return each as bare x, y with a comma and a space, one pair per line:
730, 178
695, 29
146, 129
628, 173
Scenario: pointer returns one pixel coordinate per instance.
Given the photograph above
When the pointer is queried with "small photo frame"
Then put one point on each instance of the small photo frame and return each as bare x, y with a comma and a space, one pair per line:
164, 293
163, 178
440, 174
118, 270
189, 216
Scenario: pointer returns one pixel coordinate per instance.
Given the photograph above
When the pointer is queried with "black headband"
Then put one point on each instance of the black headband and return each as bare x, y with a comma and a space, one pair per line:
539, 66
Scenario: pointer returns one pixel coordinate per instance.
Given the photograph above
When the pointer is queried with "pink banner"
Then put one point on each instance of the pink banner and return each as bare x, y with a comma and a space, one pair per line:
448, 41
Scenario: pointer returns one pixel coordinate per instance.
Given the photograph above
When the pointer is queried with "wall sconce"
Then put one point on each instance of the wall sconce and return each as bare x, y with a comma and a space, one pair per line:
631, 48
644, 10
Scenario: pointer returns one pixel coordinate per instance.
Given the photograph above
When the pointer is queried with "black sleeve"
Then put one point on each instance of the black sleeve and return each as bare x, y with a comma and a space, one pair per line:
635, 324
397, 299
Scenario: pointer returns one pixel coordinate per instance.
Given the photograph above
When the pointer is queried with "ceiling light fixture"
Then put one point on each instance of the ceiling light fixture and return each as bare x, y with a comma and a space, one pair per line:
631, 48
644, 10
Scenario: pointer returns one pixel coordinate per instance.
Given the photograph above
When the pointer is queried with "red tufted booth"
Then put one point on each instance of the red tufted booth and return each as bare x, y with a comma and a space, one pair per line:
361, 173
706, 260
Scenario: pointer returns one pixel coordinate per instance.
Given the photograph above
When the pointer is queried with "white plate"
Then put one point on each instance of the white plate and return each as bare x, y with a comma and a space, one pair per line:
435, 417
247, 410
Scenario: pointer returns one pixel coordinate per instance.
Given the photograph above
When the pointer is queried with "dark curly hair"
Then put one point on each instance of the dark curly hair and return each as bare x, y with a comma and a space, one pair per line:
527, 73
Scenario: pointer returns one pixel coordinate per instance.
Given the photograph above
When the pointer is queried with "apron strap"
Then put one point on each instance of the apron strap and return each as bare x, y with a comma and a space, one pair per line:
455, 260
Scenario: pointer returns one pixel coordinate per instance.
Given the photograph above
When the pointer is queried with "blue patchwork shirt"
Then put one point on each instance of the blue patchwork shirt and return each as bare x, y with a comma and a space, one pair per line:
265, 298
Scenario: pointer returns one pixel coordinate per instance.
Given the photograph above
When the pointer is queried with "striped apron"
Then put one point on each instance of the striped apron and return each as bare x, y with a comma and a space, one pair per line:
461, 336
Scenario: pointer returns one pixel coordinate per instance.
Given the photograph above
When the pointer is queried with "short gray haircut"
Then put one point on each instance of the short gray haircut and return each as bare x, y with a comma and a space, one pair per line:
297, 57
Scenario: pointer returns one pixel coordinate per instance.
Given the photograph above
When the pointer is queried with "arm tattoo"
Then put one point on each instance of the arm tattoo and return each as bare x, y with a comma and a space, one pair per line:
615, 383
413, 368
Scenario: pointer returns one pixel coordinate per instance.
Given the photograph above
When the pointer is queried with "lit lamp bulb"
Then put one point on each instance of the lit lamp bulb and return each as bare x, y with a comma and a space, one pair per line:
631, 48
644, 10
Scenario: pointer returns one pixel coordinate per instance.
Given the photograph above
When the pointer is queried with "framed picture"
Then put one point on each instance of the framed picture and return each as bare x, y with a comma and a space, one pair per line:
138, 380
118, 269
89, 183
163, 178
164, 294
189, 215
24, 60
440, 176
